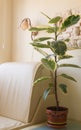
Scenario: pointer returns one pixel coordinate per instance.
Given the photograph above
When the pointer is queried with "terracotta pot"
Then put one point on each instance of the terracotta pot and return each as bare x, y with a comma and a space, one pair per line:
57, 118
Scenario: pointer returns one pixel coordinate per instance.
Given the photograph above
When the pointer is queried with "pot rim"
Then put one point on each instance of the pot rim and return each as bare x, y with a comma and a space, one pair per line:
54, 108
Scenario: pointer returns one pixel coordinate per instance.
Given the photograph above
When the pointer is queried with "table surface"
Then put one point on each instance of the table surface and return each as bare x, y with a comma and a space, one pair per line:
71, 125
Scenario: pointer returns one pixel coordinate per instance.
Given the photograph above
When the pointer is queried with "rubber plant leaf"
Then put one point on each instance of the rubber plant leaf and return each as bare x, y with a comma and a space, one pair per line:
64, 57
60, 47
41, 51
55, 20
49, 64
37, 29
69, 65
41, 79
63, 87
46, 92
52, 29
68, 77
45, 15
42, 39
71, 20
40, 45
48, 29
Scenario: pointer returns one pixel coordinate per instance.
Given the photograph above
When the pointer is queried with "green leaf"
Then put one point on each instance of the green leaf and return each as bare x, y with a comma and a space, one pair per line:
55, 20
41, 79
69, 65
64, 57
51, 29
41, 51
51, 46
63, 87
46, 92
37, 29
68, 77
71, 20
48, 29
46, 15
40, 45
49, 64
60, 47
42, 39
67, 40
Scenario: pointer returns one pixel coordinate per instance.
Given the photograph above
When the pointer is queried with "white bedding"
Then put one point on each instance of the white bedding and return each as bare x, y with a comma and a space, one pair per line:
8, 124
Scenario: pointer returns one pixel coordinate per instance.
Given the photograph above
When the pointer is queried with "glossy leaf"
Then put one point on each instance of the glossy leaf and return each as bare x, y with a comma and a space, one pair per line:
69, 65
60, 47
51, 29
71, 20
67, 40
63, 87
40, 45
41, 51
37, 29
68, 77
41, 79
46, 92
55, 20
48, 29
46, 15
49, 64
42, 39
64, 57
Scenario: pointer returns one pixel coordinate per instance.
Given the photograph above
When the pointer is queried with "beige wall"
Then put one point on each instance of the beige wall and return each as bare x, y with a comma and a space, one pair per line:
5, 30
72, 98
22, 51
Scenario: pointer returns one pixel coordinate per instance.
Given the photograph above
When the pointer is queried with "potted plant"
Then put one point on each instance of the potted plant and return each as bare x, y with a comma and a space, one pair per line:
57, 115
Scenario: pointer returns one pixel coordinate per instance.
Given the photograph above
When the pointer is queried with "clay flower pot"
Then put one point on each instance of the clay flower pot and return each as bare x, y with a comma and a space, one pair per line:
57, 118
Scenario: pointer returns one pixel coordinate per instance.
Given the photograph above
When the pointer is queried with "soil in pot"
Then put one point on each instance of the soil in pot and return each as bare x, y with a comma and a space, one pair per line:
57, 117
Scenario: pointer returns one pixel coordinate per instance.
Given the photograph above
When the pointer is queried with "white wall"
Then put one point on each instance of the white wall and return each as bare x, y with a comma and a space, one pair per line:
5, 30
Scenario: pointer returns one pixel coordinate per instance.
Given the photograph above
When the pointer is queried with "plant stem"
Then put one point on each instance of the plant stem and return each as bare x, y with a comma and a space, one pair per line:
55, 74
56, 32
55, 82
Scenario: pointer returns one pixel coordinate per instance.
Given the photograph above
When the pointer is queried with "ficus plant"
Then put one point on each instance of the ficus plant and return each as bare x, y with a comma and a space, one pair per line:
58, 51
